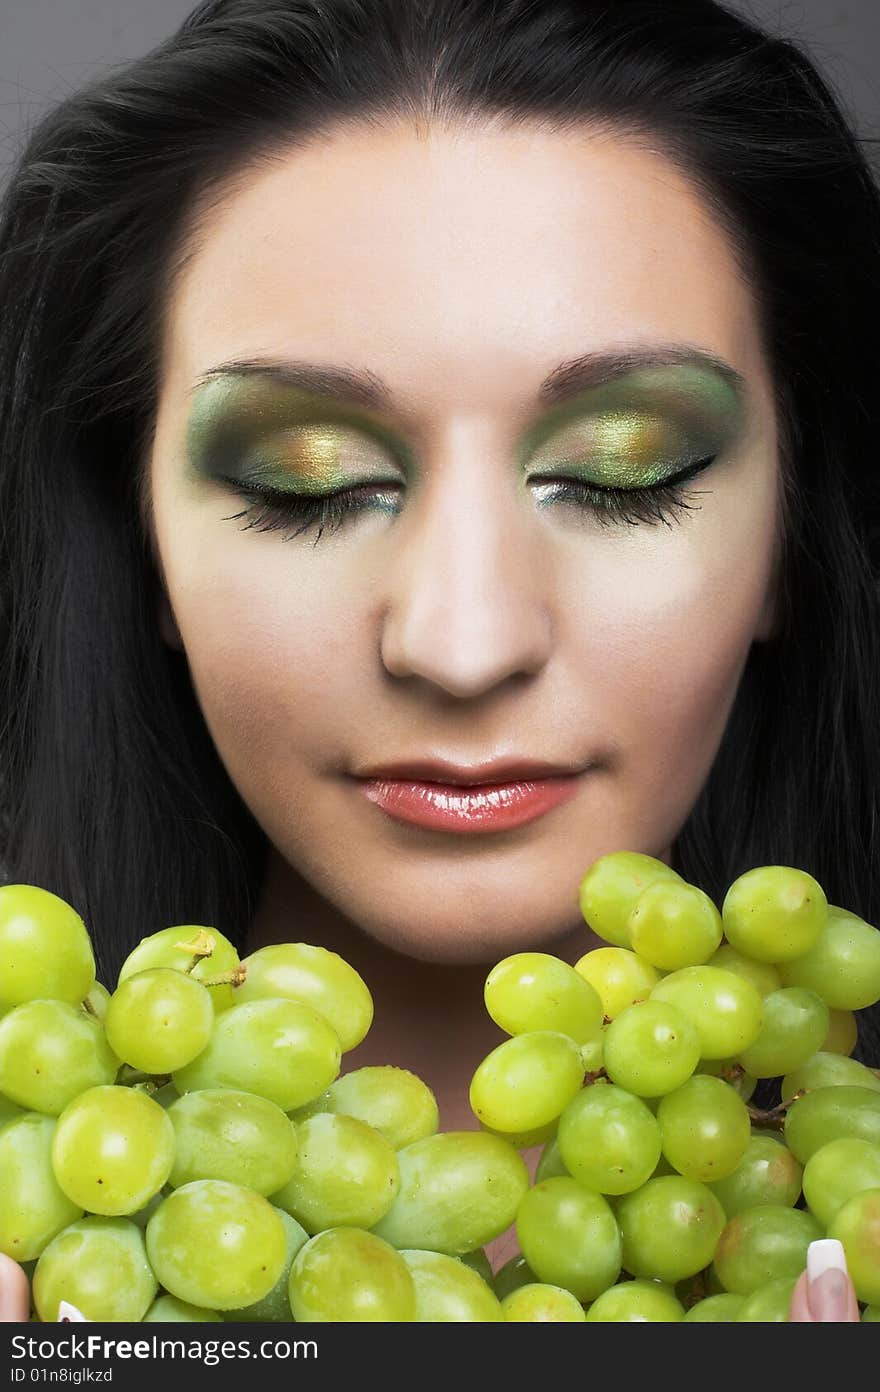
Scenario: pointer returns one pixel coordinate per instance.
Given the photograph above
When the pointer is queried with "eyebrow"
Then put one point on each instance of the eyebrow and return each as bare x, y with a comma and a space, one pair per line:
360, 387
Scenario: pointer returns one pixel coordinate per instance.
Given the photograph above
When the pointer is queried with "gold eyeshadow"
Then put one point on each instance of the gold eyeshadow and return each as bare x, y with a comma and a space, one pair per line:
254, 431
636, 430
626, 449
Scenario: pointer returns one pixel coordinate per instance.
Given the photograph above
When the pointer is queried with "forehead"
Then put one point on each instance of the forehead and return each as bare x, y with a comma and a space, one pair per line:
461, 260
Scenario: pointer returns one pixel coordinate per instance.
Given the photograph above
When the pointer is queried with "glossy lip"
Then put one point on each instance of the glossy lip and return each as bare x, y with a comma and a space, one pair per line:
473, 808
447, 773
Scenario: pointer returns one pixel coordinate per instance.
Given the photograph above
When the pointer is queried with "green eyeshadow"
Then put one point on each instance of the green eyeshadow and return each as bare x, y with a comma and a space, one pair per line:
631, 431
279, 437
636, 430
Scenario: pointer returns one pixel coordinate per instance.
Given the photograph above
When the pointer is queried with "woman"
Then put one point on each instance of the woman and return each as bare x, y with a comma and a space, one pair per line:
538, 338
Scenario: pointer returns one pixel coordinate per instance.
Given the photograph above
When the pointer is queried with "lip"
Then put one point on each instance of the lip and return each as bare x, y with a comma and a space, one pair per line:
472, 808
436, 770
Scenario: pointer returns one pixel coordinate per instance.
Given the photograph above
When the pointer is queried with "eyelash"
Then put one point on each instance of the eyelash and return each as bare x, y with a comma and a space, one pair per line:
655, 503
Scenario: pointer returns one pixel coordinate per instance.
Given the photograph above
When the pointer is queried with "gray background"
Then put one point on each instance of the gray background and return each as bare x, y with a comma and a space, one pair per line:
50, 47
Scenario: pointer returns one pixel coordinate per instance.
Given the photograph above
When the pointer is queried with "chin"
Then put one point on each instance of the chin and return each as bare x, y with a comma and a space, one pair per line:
462, 942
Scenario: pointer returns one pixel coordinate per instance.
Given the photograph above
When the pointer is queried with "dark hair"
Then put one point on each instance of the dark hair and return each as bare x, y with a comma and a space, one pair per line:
113, 794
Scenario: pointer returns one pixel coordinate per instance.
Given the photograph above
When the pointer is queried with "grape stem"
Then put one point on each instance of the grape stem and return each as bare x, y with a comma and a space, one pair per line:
773, 1119
234, 977
202, 945
89, 1008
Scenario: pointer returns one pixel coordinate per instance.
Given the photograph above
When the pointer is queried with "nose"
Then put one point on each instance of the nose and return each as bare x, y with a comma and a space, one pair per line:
467, 605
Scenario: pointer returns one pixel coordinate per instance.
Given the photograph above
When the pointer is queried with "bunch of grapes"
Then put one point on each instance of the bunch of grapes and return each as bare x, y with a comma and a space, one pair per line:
188, 1148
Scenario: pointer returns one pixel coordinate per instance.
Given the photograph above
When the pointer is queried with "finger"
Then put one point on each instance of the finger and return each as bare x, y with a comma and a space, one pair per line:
833, 1297
15, 1299
830, 1292
800, 1312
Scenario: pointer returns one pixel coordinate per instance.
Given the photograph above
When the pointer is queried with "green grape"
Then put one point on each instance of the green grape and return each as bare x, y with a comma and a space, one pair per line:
856, 1225
512, 1275
636, 1302
843, 1032
726, 1009
795, 1024
610, 888
99, 1265
346, 1175
351, 1276
542, 1302
763, 975
526, 1082
316, 977
620, 977
832, 1113
96, 1000
716, 1309
704, 1128
733, 1074
45, 951
50, 1052
479, 1262
167, 948
569, 1238
169, 1310
158, 1020
871, 1314
32, 1206
112, 1150
274, 1308
279, 1049
216, 1245
534, 991
829, 1070
458, 1190
447, 1291
774, 913
673, 925
764, 1243
669, 1228
392, 1100
837, 1171
767, 1174
593, 1053
237, 1136
770, 1303
550, 1164
651, 1048
843, 965
608, 1139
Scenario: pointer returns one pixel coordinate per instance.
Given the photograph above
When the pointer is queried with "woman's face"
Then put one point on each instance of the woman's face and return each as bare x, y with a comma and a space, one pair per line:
485, 601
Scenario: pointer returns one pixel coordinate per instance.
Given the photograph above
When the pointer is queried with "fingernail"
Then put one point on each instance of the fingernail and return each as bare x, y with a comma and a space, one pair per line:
69, 1314
824, 1255
828, 1286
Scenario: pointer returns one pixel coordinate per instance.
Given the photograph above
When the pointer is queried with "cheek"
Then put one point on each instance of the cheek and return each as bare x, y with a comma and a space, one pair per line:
277, 648
661, 648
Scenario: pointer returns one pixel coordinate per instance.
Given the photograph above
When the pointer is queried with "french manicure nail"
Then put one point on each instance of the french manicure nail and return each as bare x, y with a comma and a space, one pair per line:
828, 1287
823, 1255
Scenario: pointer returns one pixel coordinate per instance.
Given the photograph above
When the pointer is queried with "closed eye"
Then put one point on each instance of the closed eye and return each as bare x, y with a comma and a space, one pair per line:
271, 509
653, 503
